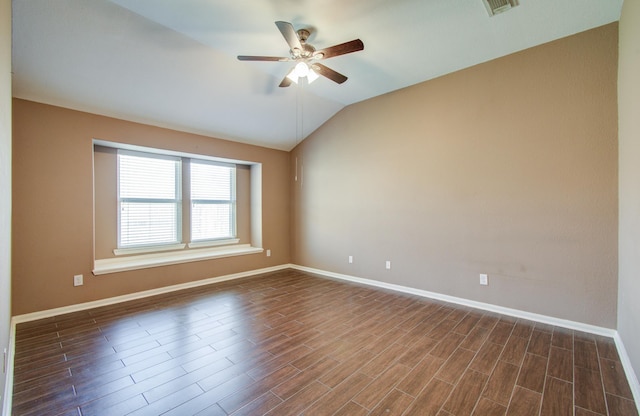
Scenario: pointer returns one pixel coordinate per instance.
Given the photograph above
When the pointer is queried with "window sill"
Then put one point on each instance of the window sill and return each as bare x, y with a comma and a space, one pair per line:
144, 261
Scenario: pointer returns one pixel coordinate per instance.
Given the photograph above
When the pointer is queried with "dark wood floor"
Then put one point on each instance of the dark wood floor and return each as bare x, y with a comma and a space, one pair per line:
288, 343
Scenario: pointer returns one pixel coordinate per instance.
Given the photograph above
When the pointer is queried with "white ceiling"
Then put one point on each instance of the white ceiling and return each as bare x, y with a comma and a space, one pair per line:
172, 63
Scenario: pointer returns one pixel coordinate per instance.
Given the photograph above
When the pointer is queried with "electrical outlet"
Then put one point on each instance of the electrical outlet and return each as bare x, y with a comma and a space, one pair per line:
388, 265
350, 259
268, 253
78, 280
484, 279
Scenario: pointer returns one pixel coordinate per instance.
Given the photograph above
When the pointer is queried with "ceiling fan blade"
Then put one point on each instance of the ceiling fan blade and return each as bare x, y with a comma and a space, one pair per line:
329, 73
285, 82
289, 34
344, 48
262, 58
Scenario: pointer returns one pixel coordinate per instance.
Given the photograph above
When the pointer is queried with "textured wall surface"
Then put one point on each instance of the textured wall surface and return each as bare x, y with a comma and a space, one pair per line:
508, 168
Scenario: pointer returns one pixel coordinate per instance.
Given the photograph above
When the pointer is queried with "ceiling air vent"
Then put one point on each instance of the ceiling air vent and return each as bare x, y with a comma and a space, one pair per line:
499, 6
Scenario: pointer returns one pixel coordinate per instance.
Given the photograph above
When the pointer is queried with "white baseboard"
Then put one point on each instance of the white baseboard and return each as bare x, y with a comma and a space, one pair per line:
634, 384
139, 295
8, 385
592, 329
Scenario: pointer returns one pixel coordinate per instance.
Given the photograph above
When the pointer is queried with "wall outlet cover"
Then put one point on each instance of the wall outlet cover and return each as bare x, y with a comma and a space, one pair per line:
78, 280
484, 279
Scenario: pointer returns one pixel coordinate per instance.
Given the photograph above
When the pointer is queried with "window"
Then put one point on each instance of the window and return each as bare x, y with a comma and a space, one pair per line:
157, 207
149, 200
213, 201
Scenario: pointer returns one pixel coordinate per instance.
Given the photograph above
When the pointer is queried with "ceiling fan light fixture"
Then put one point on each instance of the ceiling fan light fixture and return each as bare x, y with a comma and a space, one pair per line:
293, 76
301, 69
312, 76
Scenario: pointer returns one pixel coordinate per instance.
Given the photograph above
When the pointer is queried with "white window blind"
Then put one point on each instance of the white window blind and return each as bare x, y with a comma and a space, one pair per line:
149, 199
213, 201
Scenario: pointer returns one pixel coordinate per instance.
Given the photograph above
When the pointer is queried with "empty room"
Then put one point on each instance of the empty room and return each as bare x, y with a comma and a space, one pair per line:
411, 207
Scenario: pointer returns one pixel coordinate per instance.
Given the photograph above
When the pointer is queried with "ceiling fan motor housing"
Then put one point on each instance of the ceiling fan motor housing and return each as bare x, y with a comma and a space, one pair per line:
303, 35
307, 50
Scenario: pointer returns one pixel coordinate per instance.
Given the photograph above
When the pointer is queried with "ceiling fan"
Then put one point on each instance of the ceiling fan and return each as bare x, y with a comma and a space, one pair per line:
307, 56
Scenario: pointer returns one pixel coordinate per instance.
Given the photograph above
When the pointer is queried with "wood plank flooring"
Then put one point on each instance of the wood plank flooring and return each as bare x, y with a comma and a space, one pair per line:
289, 343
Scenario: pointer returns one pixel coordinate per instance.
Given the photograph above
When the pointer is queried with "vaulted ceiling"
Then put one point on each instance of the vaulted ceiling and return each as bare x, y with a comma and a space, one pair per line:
172, 63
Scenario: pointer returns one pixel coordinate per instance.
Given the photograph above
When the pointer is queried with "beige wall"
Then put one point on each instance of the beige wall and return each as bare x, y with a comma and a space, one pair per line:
5, 181
507, 168
53, 206
629, 163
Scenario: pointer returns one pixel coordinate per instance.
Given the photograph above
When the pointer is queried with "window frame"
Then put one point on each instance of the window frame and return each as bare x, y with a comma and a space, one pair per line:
177, 200
232, 202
